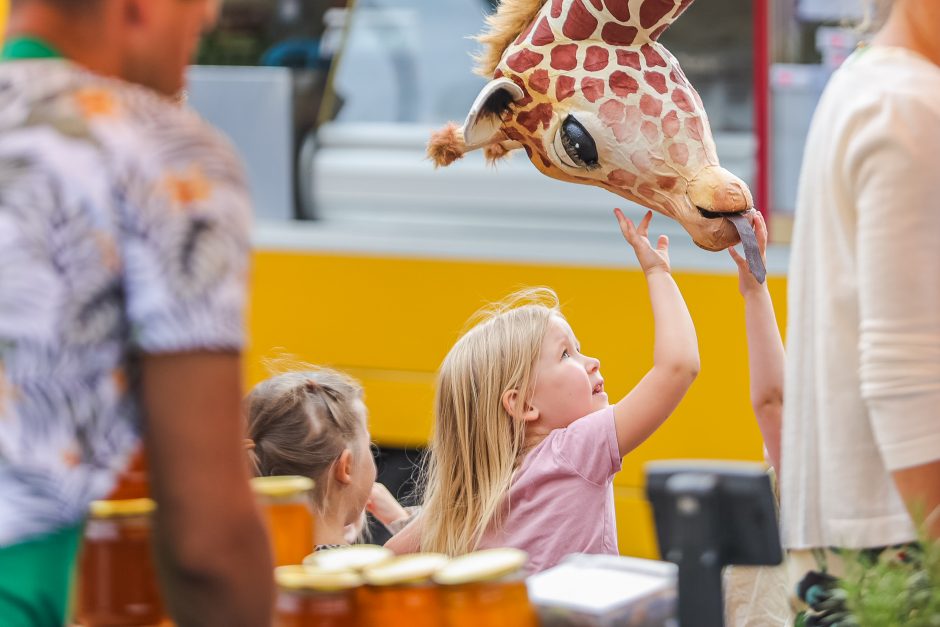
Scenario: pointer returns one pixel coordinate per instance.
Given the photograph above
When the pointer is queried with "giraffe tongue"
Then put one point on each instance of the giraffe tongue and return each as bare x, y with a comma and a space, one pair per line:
751, 250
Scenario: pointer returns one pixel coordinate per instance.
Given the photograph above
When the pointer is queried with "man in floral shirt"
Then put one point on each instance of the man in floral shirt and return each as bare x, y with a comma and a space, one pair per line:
124, 226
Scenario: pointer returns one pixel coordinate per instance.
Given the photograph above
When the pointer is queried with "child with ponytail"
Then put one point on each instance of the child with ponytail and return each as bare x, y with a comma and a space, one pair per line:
314, 423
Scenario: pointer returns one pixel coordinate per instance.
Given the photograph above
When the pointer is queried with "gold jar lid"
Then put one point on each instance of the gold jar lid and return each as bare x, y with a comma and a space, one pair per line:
127, 507
407, 569
356, 557
296, 577
488, 565
281, 486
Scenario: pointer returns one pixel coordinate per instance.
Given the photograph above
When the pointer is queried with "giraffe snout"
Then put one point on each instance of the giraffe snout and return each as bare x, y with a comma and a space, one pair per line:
716, 190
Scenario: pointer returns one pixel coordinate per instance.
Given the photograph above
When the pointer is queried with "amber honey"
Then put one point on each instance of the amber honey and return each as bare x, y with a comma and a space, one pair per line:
486, 588
310, 597
117, 580
288, 511
399, 593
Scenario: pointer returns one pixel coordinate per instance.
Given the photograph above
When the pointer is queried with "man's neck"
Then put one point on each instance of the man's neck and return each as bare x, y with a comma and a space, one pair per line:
89, 47
912, 25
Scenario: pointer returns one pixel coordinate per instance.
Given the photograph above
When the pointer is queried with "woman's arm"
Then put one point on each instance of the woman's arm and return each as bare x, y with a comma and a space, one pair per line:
764, 349
675, 351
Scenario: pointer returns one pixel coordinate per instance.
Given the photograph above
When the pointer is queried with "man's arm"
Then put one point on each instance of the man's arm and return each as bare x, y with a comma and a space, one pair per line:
210, 541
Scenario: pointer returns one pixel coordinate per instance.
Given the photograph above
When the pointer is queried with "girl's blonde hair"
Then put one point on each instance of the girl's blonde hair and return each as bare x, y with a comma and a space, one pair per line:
300, 422
477, 444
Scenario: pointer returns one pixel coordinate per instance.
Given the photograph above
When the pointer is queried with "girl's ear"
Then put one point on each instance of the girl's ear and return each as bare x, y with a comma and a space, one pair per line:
342, 469
510, 398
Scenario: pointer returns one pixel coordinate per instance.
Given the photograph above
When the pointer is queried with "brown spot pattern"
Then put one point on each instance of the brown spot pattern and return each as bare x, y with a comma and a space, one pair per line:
682, 100
650, 131
539, 81
612, 112
671, 124
543, 34
597, 5
622, 178
623, 84
679, 153
694, 128
564, 88
526, 99
653, 58
618, 35
525, 33
580, 24
524, 60
629, 58
565, 57
652, 11
657, 81
596, 58
556, 8
650, 106
666, 183
540, 114
592, 88
620, 9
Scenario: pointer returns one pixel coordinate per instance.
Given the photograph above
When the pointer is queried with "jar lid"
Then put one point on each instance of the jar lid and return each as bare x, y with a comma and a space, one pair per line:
280, 486
406, 569
485, 565
127, 507
296, 577
355, 557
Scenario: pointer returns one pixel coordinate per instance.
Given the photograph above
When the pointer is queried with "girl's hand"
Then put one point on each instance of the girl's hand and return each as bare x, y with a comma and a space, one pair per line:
747, 284
383, 506
651, 259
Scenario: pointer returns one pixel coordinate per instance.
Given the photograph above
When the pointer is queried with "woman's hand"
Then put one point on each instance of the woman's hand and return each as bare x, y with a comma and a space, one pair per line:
384, 507
651, 259
747, 284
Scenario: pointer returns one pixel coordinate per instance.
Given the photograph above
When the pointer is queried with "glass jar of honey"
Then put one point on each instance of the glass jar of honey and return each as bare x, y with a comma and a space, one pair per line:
399, 593
486, 588
311, 597
288, 510
356, 557
117, 582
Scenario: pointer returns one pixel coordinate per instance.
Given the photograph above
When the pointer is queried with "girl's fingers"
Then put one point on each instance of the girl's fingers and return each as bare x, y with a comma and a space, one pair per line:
738, 260
760, 230
644, 227
663, 244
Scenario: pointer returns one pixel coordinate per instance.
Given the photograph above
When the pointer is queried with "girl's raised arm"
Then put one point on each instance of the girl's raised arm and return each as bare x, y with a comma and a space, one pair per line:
675, 353
764, 350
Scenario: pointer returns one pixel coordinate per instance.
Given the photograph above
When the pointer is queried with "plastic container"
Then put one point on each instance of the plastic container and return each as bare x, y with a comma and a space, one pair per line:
486, 588
357, 557
288, 510
117, 580
311, 597
399, 593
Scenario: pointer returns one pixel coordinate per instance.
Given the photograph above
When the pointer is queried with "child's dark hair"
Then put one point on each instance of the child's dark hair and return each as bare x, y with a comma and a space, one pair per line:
300, 422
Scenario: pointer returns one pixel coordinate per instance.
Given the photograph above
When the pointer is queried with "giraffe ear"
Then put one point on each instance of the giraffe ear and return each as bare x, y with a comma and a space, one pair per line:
486, 114
482, 127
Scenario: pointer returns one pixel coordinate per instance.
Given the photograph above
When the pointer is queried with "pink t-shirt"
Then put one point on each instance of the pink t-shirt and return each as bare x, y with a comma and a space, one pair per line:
562, 498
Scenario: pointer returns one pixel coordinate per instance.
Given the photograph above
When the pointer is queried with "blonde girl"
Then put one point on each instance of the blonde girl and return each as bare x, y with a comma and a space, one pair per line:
526, 443
314, 423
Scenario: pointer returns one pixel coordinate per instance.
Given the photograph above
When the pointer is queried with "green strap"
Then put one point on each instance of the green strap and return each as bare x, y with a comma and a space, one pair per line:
36, 579
28, 48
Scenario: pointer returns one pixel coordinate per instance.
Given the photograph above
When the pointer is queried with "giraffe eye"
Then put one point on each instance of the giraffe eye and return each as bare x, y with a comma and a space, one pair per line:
578, 144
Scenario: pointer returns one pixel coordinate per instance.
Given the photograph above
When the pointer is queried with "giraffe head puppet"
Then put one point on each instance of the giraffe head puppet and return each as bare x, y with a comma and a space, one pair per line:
591, 95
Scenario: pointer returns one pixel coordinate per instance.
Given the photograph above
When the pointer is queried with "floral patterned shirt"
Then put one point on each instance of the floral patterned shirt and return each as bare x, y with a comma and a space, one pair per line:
124, 230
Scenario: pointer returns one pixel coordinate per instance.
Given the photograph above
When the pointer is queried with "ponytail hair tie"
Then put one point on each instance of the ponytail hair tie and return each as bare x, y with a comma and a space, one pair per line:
249, 444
